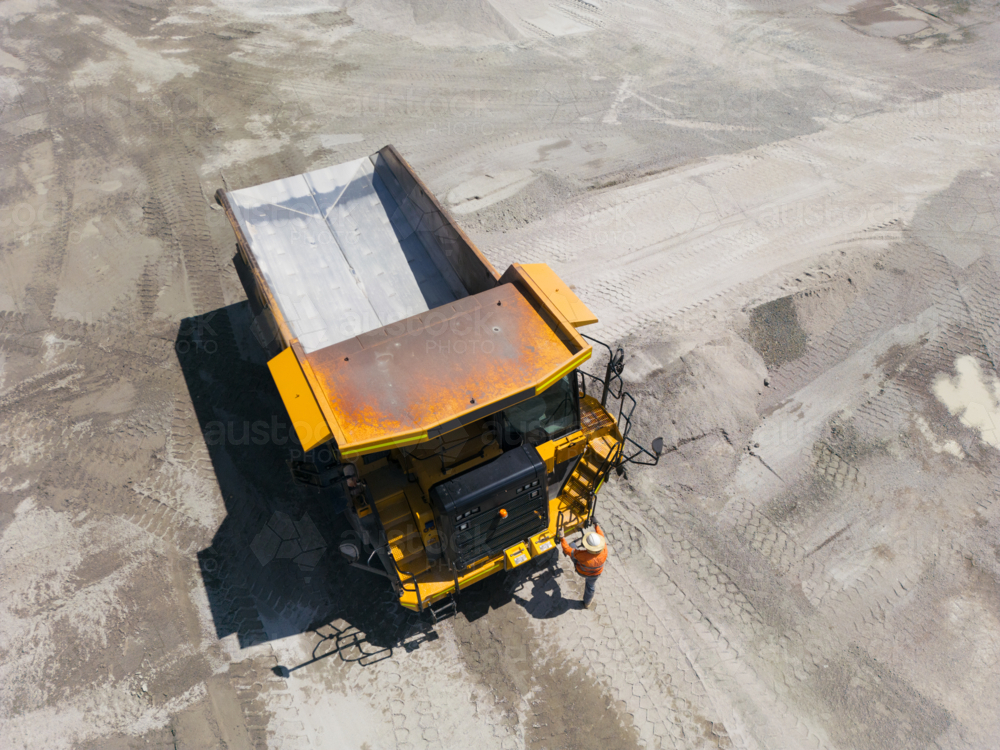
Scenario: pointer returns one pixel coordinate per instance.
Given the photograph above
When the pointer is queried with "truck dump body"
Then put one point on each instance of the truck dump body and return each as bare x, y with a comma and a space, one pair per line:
346, 249
397, 328
449, 394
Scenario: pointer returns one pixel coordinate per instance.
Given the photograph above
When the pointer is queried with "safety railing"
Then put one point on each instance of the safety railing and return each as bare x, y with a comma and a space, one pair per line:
384, 551
613, 385
612, 372
611, 461
628, 450
411, 578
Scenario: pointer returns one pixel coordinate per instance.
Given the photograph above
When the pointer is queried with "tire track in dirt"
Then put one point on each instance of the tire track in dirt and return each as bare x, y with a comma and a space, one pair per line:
751, 709
657, 690
800, 649
30, 387
863, 605
262, 695
791, 659
43, 285
731, 239
176, 188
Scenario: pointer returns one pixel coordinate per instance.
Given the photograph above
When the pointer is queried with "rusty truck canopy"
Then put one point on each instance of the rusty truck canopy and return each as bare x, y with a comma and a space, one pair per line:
397, 328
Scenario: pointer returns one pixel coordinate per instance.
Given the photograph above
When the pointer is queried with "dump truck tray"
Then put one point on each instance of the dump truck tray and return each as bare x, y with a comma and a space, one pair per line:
392, 327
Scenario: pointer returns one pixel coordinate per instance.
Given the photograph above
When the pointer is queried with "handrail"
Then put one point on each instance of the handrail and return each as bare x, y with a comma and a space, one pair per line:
610, 461
617, 457
597, 341
625, 418
591, 376
613, 371
410, 577
633, 459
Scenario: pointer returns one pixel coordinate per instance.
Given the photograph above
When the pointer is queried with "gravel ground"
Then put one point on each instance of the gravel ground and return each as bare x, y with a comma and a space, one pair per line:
787, 215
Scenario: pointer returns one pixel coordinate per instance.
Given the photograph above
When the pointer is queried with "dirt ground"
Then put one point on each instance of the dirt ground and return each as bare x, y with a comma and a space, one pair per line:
787, 214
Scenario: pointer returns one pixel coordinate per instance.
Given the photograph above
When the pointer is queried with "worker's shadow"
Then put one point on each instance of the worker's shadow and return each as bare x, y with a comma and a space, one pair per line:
540, 588
272, 569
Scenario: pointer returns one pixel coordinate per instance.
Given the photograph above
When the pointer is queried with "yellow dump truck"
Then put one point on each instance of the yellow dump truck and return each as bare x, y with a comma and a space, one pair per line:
443, 400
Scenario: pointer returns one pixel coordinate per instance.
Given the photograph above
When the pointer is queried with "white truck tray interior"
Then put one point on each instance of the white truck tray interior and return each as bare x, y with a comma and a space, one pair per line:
345, 250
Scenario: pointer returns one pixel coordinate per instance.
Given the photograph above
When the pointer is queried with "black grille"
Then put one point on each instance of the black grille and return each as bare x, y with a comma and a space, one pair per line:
468, 506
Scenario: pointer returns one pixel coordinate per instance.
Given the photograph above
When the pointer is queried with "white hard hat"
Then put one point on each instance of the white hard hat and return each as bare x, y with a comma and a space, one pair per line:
593, 542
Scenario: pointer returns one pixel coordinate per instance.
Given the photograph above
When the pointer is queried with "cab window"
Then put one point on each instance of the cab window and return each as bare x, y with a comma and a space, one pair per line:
551, 414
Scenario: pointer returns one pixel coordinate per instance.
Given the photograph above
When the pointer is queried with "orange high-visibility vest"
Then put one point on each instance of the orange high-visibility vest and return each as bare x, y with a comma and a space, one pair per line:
587, 563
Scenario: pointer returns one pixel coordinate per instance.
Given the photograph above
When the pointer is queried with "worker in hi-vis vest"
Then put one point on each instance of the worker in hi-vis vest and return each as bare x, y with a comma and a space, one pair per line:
589, 560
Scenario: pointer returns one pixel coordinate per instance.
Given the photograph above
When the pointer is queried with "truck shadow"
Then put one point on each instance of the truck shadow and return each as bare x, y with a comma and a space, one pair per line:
350, 645
272, 569
534, 587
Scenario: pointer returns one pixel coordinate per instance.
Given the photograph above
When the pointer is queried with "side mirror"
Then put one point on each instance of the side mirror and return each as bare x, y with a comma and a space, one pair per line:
658, 447
349, 551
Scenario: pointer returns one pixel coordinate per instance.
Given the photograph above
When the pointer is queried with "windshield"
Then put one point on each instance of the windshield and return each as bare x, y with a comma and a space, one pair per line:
549, 415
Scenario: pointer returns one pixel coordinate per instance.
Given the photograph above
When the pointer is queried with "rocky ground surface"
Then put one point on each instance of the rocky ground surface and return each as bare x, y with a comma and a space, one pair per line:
788, 216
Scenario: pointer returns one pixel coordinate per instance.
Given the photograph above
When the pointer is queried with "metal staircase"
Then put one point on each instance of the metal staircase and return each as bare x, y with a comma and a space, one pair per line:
605, 451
